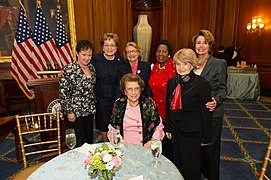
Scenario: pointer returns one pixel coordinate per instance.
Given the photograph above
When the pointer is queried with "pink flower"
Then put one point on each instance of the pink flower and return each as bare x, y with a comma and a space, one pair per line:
88, 159
103, 153
117, 161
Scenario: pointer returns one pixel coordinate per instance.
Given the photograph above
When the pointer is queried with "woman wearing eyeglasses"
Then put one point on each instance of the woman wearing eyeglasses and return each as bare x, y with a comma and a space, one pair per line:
135, 115
134, 65
106, 65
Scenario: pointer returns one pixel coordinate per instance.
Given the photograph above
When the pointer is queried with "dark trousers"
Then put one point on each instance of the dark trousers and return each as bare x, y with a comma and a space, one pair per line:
167, 150
83, 127
211, 156
186, 153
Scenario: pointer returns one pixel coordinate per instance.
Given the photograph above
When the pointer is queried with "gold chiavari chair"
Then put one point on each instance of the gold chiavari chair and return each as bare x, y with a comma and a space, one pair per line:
266, 162
46, 124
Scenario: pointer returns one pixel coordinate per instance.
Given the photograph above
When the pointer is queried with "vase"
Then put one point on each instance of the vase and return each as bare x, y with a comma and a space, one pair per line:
105, 175
142, 34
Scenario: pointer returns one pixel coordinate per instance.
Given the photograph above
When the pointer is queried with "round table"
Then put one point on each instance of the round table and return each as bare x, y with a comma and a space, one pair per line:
136, 163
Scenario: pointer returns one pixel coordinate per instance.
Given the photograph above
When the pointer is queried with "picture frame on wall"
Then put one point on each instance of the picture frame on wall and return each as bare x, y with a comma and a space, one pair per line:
9, 12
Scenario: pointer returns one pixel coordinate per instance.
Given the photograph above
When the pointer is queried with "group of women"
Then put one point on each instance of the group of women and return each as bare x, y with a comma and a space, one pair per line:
178, 101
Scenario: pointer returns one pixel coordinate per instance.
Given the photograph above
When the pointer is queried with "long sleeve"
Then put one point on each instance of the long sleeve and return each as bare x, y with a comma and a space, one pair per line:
206, 115
65, 93
76, 91
221, 91
109, 135
169, 92
159, 134
148, 89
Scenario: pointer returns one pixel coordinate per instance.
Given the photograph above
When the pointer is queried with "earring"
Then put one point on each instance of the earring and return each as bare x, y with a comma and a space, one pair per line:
168, 55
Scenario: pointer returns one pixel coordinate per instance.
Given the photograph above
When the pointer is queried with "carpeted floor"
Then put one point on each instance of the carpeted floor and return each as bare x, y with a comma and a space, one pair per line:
245, 135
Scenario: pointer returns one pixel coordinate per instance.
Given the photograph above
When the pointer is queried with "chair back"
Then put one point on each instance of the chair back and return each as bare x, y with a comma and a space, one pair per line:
47, 125
266, 162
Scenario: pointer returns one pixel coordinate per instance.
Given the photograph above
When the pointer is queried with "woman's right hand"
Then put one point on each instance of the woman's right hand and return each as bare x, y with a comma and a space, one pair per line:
71, 117
169, 135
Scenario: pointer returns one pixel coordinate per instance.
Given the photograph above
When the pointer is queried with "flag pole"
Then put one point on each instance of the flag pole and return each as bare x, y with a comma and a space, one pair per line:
39, 4
58, 5
21, 4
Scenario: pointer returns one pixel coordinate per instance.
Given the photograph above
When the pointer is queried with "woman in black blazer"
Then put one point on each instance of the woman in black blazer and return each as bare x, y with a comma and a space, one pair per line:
134, 65
106, 65
189, 120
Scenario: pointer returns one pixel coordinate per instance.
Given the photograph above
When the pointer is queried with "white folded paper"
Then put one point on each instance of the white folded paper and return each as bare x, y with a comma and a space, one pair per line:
85, 148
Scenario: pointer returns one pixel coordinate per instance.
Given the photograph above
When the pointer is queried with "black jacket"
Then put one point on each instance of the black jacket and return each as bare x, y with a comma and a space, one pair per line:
143, 70
194, 117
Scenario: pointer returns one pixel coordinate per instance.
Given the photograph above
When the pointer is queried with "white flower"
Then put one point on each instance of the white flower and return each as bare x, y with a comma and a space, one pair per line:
118, 152
107, 158
109, 166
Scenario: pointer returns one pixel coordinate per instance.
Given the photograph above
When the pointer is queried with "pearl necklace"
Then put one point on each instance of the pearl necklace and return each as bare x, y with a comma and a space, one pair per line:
110, 59
160, 68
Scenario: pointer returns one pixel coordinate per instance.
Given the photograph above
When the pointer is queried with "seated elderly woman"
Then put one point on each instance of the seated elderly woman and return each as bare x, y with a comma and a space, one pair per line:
134, 115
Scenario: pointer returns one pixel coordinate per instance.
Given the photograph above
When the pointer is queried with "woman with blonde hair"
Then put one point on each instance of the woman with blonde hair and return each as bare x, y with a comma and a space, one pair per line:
135, 65
189, 120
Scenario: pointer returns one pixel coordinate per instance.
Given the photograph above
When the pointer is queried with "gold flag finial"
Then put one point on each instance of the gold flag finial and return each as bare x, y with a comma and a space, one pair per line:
58, 5
21, 4
39, 4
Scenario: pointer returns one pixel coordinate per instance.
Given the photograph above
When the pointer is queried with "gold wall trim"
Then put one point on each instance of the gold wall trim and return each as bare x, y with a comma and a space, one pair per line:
72, 26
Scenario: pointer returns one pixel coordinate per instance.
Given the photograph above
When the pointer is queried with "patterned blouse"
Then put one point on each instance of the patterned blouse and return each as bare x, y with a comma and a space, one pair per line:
76, 91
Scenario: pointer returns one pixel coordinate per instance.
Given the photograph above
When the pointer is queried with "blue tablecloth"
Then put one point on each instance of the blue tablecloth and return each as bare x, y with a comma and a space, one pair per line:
243, 85
136, 162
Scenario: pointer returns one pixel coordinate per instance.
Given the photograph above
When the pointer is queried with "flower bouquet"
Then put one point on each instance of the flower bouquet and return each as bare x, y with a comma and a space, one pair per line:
104, 162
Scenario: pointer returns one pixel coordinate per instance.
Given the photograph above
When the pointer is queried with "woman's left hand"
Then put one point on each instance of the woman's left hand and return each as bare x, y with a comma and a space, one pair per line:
211, 105
148, 144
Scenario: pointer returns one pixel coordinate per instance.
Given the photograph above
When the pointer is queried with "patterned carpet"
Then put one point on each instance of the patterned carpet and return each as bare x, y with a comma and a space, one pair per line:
245, 135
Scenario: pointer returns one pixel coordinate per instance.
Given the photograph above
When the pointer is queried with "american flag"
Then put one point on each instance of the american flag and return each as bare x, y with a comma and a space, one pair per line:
62, 41
45, 51
22, 62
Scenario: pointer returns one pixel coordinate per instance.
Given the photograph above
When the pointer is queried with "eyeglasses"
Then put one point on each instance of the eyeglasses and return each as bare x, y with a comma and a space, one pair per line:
109, 45
131, 90
131, 51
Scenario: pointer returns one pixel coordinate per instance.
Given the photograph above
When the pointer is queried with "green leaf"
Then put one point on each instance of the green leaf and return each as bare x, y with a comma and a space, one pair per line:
105, 146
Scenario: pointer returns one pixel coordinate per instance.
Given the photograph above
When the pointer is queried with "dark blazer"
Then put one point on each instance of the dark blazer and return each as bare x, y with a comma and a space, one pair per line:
215, 72
107, 75
143, 70
194, 117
